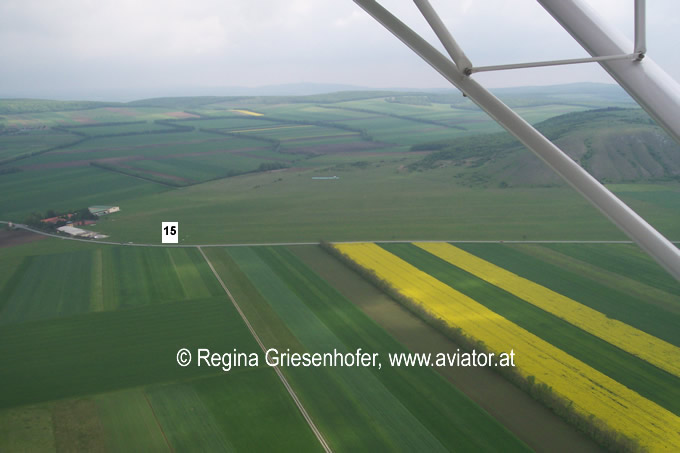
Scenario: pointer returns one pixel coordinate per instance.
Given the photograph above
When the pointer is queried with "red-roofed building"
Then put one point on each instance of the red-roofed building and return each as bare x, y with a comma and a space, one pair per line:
61, 218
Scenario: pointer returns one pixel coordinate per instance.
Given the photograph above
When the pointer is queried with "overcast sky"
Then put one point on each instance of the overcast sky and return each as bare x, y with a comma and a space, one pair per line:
126, 49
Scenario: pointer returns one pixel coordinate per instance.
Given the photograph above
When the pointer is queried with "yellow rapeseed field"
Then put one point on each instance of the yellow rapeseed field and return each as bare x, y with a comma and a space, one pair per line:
591, 392
247, 112
641, 344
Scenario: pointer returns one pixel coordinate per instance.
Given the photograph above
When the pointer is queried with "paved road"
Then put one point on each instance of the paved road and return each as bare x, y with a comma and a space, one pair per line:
139, 244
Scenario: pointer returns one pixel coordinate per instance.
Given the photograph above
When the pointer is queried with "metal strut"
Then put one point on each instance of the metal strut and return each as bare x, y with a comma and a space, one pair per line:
640, 33
639, 49
453, 70
538, 64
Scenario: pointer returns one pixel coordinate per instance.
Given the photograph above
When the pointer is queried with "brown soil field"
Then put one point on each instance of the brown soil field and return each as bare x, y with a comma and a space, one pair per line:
122, 111
52, 165
77, 426
319, 137
82, 120
18, 237
240, 151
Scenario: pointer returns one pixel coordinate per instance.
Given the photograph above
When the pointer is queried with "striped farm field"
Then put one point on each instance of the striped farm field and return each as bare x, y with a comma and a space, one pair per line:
128, 419
41, 288
291, 132
243, 410
88, 342
123, 128
367, 408
63, 188
591, 393
636, 307
253, 411
102, 279
641, 344
112, 350
169, 402
638, 375
657, 293
15, 145
625, 260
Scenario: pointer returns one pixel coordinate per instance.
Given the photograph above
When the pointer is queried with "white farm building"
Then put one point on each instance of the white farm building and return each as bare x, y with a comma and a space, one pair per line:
77, 232
103, 210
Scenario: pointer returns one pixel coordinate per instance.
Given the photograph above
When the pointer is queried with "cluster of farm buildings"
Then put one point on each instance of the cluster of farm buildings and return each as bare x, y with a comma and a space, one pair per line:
71, 228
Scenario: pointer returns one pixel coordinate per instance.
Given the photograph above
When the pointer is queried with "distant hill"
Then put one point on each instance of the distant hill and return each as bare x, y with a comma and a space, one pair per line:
198, 101
590, 95
576, 93
613, 144
593, 95
19, 106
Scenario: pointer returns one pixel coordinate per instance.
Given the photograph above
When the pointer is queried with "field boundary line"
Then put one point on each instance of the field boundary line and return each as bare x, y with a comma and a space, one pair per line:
153, 412
283, 379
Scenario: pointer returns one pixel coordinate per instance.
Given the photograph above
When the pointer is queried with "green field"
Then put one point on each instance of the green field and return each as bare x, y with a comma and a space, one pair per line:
63, 189
412, 408
152, 146
105, 348
32, 141
43, 286
120, 323
625, 260
131, 128
106, 279
128, 419
404, 408
659, 291
222, 413
62, 115
89, 332
252, 418
178, 159
372, 201
481, 321
319, 134
537, 426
